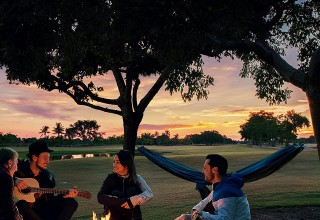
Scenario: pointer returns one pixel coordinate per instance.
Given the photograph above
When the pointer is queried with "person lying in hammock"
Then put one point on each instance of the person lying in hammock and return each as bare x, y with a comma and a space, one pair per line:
228, 200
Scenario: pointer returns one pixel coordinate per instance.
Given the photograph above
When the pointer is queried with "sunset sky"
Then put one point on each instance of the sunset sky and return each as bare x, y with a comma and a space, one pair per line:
25, 109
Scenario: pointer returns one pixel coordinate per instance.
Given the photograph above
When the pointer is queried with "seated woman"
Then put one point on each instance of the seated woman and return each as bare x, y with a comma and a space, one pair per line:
8, 165
123, 191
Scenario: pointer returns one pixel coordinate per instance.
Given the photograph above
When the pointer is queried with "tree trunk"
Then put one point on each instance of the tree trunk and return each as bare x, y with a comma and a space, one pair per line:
313, 94
314, 105
131, 125
260, 142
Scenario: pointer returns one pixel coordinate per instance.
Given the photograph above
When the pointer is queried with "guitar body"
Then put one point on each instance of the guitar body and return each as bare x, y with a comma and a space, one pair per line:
26, 194
33, 191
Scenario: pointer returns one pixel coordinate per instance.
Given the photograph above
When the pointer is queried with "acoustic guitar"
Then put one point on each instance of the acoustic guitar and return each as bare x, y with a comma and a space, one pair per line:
29, 194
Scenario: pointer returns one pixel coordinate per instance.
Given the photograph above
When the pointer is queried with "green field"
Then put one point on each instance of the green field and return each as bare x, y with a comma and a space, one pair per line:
296, 184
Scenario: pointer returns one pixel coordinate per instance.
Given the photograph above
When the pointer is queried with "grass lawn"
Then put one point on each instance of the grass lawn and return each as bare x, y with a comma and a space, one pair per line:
296, 184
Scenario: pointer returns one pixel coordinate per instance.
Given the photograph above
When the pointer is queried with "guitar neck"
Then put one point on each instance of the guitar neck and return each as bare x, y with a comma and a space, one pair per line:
28, 194
82, 194
48, 190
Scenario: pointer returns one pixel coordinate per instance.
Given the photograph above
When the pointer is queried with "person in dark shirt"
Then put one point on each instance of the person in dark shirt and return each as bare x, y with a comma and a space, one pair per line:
123, 191
8, 165
47, 206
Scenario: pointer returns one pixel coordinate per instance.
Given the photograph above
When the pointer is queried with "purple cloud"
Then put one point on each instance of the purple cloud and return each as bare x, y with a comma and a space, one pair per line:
46, 110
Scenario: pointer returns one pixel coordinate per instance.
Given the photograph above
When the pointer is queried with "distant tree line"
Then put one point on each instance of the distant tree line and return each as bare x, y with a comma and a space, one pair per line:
204, 138
85, 130
82, 132
87, 133
261, 127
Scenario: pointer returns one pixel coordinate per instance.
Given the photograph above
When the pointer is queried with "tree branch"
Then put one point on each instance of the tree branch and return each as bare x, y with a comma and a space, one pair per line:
128, 88
279, 14
315, 66
119, 80
154, 90
79, 102
265, 53
135, 93
289, 73
62, 86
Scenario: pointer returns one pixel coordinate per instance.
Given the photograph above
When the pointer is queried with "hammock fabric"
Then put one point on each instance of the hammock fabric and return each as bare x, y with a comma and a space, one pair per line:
251, 173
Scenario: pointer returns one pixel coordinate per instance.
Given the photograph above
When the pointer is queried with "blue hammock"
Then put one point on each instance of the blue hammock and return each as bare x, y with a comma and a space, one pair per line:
256, 171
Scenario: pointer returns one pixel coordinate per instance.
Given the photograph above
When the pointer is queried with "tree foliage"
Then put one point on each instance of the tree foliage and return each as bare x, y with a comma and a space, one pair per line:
146, 139
63, 45
208, 138
9, 139
290, 124
260, 127
265, 127
44, 131
59, 129
259, 33
86, 130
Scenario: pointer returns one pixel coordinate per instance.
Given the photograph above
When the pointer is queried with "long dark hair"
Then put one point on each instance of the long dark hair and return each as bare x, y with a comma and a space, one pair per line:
126, 160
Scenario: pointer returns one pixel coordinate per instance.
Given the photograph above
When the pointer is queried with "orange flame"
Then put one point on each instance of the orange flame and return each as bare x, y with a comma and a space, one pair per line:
107, 217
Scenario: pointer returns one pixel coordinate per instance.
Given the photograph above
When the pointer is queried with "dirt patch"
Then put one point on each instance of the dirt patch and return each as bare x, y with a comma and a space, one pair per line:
287, 213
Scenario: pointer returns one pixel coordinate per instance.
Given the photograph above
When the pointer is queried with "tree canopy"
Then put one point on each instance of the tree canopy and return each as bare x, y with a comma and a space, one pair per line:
259, 33
208, 138
265, 127
86, 130
260, 127
63, 45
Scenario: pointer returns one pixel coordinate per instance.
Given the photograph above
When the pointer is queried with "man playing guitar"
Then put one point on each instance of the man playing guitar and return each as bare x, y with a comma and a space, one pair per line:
47, 206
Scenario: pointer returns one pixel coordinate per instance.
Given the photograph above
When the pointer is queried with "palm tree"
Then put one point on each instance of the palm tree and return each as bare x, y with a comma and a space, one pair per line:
59, 129
70, 133
44, 131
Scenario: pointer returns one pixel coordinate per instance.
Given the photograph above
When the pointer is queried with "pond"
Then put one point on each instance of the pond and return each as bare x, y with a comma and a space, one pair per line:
78, 156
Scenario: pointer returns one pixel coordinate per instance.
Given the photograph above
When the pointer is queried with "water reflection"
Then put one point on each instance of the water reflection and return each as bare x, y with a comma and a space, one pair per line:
78, 156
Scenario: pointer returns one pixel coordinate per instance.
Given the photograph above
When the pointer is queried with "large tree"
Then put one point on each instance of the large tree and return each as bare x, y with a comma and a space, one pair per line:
260, 127
259, 32
209, 138
290, 124
59, 44
265, 127
65, 45
87, 130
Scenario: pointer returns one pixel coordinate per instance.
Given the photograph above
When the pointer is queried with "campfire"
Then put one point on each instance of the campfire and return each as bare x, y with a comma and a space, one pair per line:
107, 217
